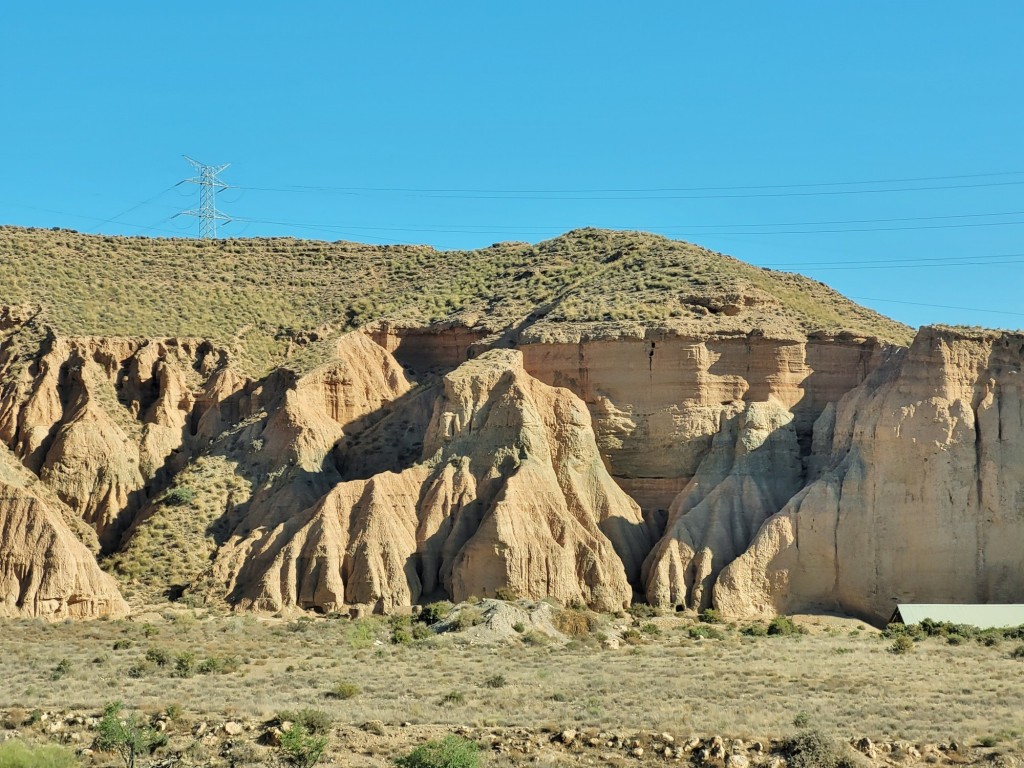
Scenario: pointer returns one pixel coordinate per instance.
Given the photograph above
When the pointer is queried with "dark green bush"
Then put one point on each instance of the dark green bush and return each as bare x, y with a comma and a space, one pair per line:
702, 632
710, 616
435, 612
813, 749
179, 497
901, 645
632, 636
453, 698
159, 656
184, 664
642, 611
343, 691
130, 737
219, 665
468, 617
496, 681
302, 748
783, 625
449, 752
401, 635
62, 669
314, 721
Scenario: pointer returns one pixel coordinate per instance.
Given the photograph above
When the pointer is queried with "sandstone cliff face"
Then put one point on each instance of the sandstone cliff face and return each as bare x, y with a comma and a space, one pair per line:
751, 474
658, 401
751, 471
510, 492
920, 499
45, 570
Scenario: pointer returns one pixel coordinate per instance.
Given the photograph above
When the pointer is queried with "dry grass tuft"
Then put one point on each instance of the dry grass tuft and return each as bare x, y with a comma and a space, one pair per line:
576, 623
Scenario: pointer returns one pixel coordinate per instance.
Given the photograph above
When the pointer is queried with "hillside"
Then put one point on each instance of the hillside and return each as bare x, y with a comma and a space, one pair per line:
601, 419
263, 299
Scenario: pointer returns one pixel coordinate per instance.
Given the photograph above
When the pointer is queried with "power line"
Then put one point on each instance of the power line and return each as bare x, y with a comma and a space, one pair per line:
322, 188
681, 229
938, 306
542, 229
93, 218
598, 196
911, 260
125, 212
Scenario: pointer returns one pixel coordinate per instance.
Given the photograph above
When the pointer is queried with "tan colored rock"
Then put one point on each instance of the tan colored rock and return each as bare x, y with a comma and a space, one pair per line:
33, 407
512, 493
658, 400
99, 418
231, 728
331, 400
751, 471
922, 496
92, 465
45, 570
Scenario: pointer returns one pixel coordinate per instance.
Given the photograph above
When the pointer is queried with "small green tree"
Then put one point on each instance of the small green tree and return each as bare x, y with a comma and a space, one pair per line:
129, 737
301, 747
184, 664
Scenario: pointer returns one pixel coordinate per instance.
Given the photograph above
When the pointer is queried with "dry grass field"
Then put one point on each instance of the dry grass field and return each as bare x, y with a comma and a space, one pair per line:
256, 296
842, 677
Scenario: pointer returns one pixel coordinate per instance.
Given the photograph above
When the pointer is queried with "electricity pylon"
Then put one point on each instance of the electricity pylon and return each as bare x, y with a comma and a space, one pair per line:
207, 212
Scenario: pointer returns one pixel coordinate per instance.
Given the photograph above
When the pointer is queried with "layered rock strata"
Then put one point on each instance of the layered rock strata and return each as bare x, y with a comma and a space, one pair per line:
746, 473
920, 499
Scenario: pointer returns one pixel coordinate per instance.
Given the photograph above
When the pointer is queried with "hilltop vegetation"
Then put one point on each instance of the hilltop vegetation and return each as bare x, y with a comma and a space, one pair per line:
258, 297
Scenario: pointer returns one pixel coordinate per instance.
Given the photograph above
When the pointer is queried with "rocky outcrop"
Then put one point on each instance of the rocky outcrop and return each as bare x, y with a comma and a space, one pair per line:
335, 399
45, 570
751, 471
91, 464
921, 497
658, 400
100, 421
596, 463
510, 494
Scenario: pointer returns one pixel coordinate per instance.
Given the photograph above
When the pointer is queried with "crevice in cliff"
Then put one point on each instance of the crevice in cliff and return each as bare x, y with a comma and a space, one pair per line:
981, 516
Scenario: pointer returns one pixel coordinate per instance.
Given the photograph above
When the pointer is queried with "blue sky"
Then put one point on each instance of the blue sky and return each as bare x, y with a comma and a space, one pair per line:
741, 126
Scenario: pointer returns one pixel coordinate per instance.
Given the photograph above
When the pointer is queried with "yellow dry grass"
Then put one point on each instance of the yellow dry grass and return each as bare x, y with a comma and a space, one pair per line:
842, 676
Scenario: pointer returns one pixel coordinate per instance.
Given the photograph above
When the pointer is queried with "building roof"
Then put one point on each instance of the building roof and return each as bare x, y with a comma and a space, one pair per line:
982, 616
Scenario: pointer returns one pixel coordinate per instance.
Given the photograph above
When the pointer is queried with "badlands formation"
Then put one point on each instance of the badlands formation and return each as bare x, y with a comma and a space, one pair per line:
721, 443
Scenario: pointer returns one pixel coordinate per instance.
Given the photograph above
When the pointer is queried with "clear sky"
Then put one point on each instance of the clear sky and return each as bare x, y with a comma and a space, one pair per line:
742, 126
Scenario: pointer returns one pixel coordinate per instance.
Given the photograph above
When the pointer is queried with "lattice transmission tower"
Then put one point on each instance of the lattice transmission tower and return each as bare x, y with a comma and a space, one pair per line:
208, 183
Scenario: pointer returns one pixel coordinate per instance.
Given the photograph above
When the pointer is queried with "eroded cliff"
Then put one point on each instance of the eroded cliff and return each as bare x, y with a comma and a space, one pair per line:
922, 494
737, 450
